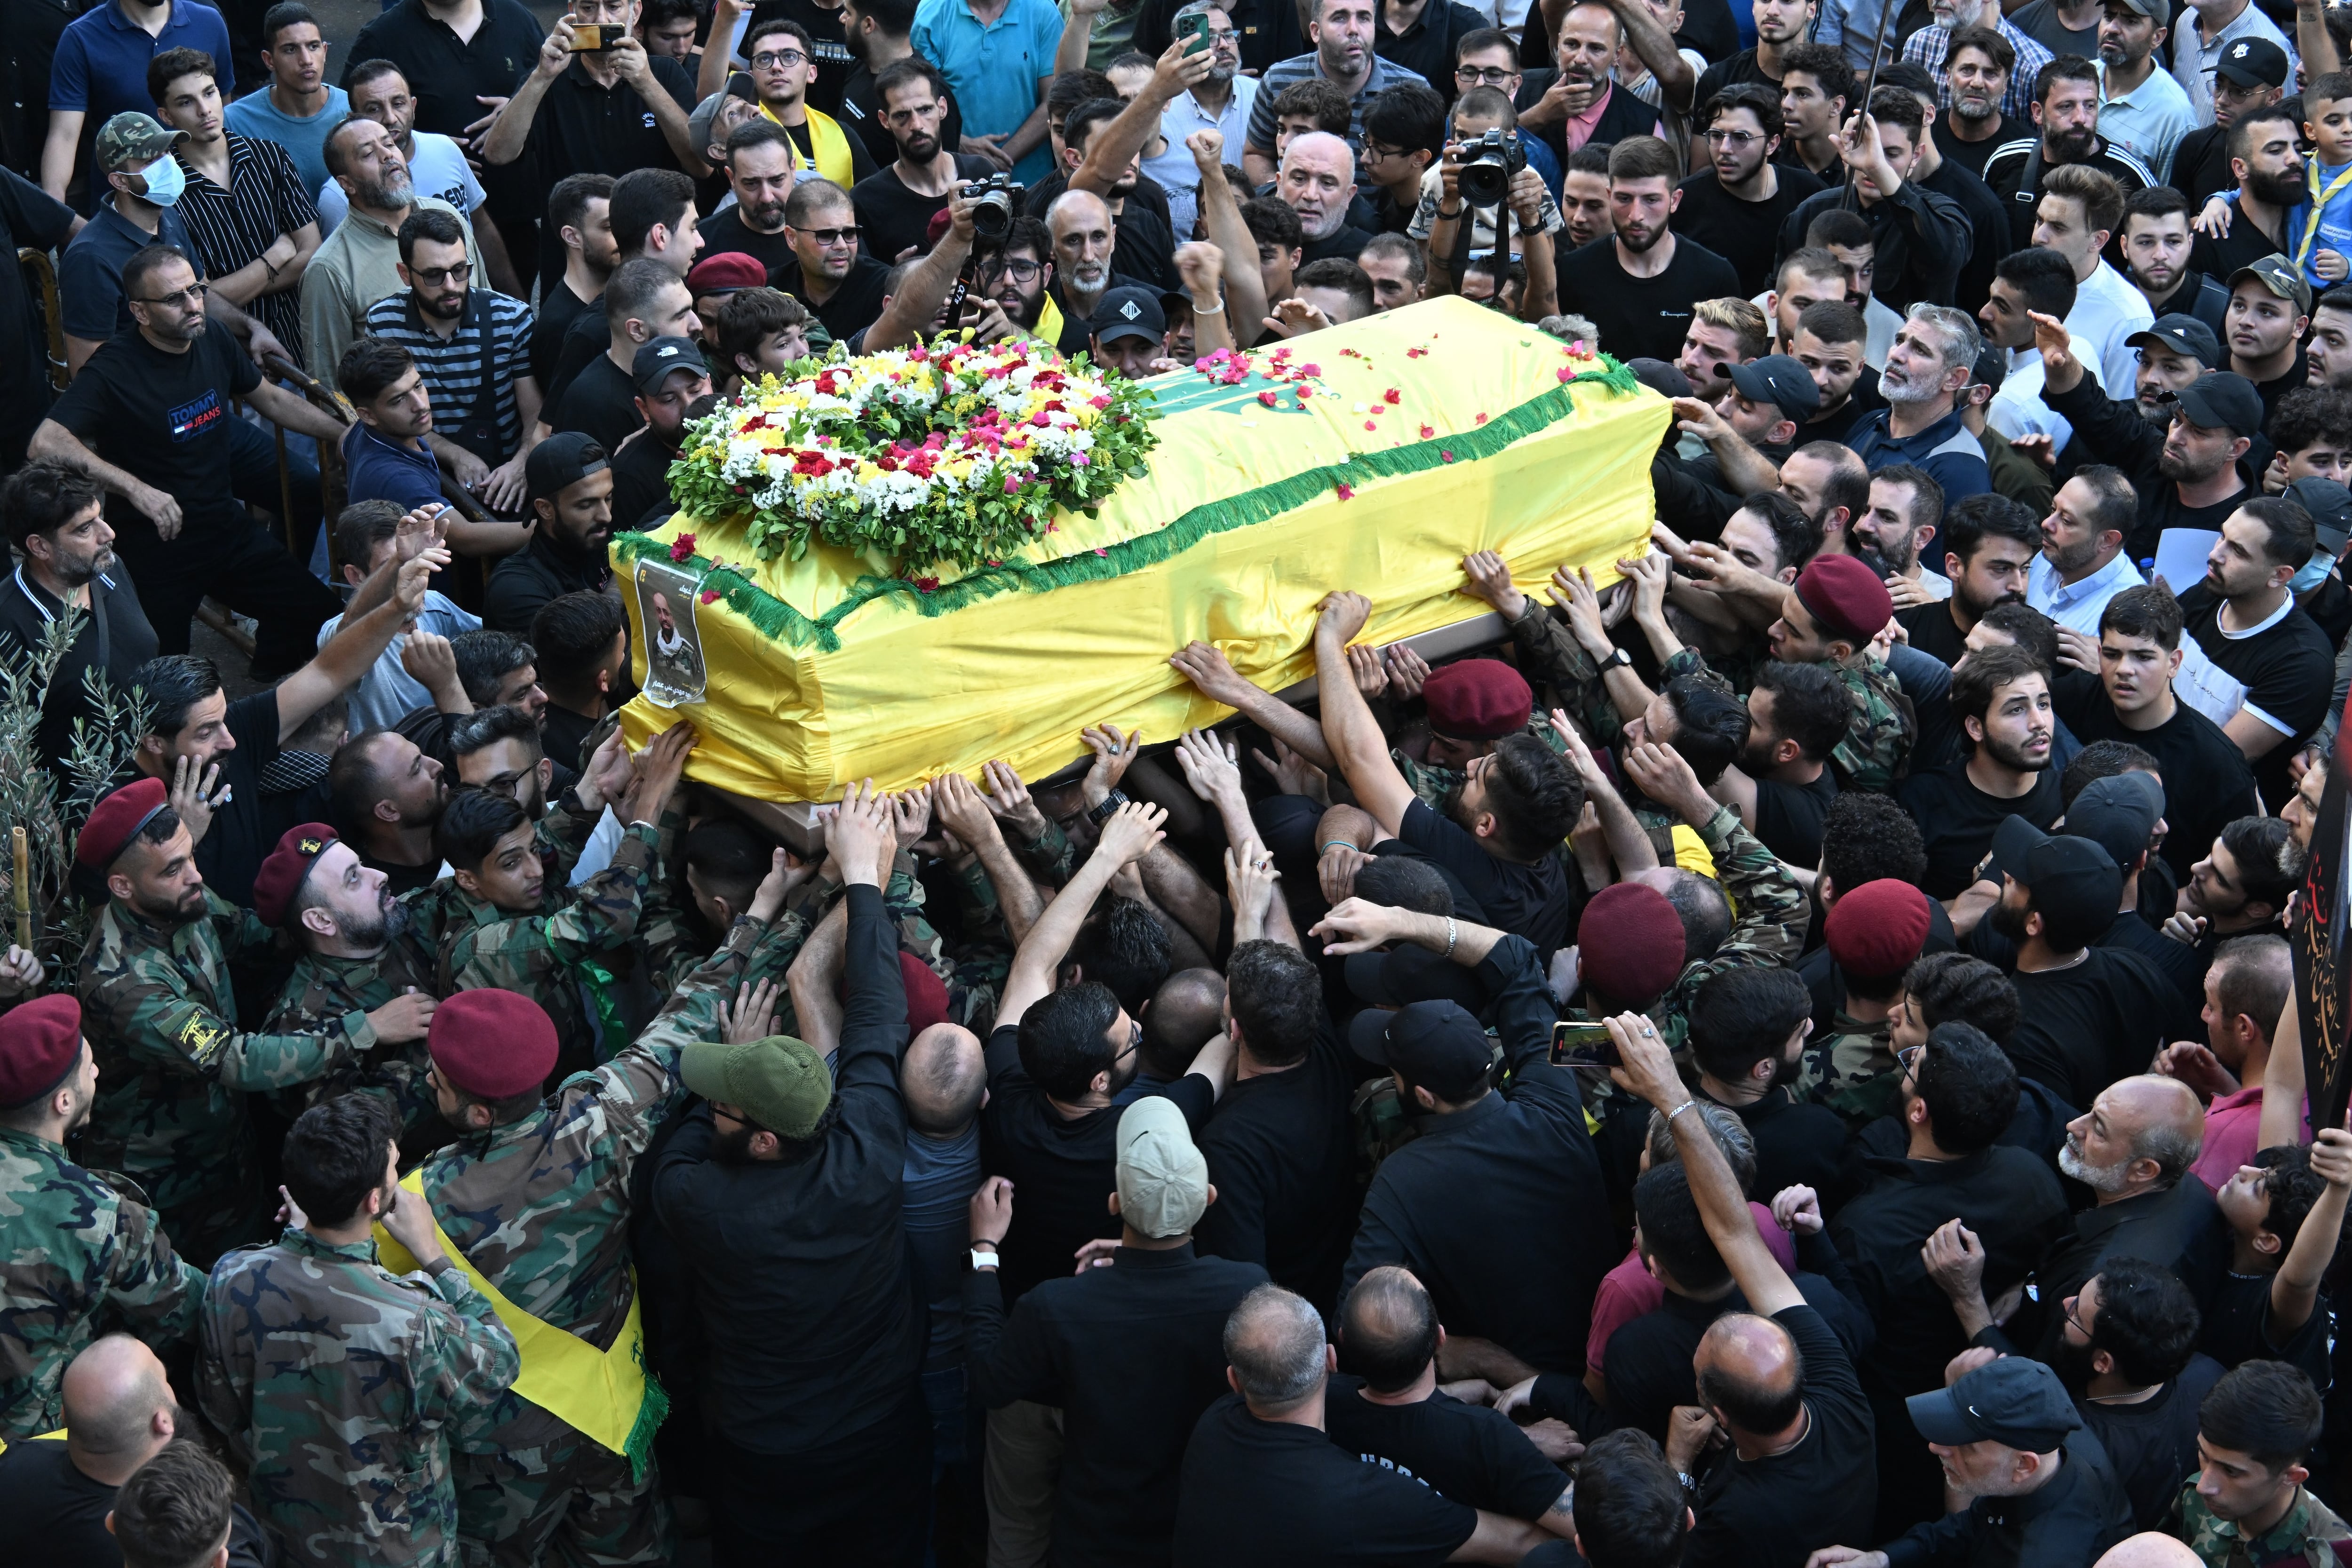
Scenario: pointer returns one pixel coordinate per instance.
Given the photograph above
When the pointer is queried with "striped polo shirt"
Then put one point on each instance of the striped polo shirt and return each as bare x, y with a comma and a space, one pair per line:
452, 366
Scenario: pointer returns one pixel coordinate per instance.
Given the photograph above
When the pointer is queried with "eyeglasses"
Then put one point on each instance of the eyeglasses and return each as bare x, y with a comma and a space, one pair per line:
828, 238
193, 295
1019, 271
1738, 141
2067, 1308
1483, 75
439, 275
1907, 1058
768, 59
1226, 35
1374, 150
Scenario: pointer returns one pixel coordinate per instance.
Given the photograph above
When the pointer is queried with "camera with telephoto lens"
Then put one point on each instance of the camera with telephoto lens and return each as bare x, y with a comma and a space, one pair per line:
1487, 166
993, 201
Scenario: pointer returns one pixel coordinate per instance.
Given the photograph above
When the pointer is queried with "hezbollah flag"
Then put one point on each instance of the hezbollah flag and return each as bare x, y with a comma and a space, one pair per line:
1374, 459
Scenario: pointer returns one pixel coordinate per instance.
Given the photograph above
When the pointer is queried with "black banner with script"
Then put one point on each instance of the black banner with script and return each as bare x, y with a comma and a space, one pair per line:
2323, 974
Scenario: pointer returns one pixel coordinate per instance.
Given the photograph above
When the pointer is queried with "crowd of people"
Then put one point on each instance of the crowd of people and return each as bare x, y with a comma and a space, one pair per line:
1788, 1055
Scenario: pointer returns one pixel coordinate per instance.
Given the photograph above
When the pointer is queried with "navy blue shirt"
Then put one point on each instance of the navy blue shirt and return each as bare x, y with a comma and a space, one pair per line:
1951, 456
102, 71
89, 273
385, 471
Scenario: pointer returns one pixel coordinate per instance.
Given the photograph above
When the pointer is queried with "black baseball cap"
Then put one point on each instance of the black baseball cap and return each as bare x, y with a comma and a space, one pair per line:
663, 355
2120, 814
2074, 880
1780, 380
2330, 506
1437, 1045
2015, 1400
2179, 334
2253, 62
2220, 400
1129, 312
1661, 377
564, 460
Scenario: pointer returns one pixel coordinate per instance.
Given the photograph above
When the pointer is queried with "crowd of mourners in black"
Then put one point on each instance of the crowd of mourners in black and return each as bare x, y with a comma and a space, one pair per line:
1786, 1055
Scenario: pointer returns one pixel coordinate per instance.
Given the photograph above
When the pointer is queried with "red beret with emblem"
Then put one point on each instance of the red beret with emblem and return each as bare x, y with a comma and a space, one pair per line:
1845, 597
492, 1044
116, 821
1477, 699
281, 877
39, 1043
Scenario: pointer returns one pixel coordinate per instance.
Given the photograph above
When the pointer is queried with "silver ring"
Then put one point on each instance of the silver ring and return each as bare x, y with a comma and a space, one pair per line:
1647, 1032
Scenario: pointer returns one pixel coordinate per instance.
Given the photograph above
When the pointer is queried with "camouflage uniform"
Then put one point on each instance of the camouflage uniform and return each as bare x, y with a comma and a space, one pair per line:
1852, 1069
548, 956
81, 1256
1878, 742
541, 1206
342, 1385
2301, 1536
1050, 856
175, 1068
559, 839
323, 986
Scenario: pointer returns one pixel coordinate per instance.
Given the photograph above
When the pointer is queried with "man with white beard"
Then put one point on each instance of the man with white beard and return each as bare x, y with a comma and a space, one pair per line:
1930, 362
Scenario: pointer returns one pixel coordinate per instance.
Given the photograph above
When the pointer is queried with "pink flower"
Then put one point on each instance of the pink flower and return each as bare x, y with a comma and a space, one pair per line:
682, 548
1011, 484
1565, 374
1267, 398
1101, 551
710, 595
1481, 419
1345, 492
1427, 431
926, 584
1392, 395
1079, 459
1444, 457
1371, 424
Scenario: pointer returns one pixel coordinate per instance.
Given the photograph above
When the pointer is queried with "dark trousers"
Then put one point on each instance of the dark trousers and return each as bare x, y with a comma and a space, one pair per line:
244, 566
254, 479
861, 1503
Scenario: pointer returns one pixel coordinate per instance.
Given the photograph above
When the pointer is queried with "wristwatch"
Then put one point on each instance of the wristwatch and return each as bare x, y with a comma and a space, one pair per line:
1690, 1482
1111, 803
1618, 659
989, 1259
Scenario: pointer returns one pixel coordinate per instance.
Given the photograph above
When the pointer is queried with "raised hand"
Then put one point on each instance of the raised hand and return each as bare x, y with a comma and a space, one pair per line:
1114, 754
753, 1014
1008, 798
1490, 579
1130, 832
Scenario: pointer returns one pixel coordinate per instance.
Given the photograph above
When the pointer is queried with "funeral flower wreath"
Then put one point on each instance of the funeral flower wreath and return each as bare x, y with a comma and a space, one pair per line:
956, 455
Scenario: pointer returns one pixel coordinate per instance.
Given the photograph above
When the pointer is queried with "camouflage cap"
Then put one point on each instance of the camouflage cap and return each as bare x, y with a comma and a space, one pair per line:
133, 138
780, 1083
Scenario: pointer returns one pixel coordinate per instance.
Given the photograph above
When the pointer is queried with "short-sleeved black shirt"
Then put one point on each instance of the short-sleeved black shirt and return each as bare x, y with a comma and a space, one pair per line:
1643, 316
446, 73
2214, 786
162, 417
2287, 668
1272, 1494
583, 129
890, 217
1465, 1452
1957, 820
855, 305
2237, 1328
2153, 1443
728, 231
29, 216
602, 403
1532, 901
1789, 818
1743, 233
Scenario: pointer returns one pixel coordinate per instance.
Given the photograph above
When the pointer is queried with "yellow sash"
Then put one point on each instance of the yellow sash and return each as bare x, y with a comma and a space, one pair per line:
602, 1394
2319, 200
57, 1436
833, 157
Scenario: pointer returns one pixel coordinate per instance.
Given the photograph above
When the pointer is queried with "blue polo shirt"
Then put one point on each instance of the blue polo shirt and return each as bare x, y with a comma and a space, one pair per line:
89, 273
1946, 449
101, 65
385, 471
304, 137
994, 70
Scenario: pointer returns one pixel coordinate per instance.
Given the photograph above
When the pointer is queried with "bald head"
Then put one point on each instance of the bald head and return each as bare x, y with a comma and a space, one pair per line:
1186, 1012
2165, 1123
1084, 238
1318, 180
118, 1401
1389, 1330
942, 1078
2151, 1550
1275, 1352
1750, 1373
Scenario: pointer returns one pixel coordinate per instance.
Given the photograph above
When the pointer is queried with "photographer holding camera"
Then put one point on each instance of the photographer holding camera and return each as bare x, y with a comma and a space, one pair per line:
1463, 200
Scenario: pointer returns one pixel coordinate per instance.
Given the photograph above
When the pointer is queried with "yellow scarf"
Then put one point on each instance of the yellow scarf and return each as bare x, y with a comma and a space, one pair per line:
833, 157
602, 1394
57, 1436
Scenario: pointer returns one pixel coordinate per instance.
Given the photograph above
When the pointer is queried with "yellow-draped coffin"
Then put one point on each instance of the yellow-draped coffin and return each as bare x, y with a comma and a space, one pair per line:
1421, 436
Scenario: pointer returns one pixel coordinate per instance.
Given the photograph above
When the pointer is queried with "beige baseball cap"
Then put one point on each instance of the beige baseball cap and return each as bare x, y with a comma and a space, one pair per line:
1163, 1180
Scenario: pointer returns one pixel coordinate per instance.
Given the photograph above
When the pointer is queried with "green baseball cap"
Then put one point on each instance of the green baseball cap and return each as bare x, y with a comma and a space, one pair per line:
131, 138
780, 1082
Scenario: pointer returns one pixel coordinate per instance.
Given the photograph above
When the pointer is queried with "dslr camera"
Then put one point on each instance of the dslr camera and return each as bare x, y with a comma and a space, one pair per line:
1487, 165
995, 200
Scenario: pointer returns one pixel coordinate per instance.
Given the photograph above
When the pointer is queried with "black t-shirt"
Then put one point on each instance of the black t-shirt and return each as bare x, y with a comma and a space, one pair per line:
1971, 155
890, 217
728, 231
1282, 1155
861, 111
854, 305
239, 838
583, 129
2153, 1443
1862, 399
56, 1515
1775, 1512
2089, 1024
163, 417
641, 481
1959, 820
2238, 1329
116, 638
1465, 1452
2287, 668
1789, 818
2206, 781
445, 72
559, 308
1643, 316
1346, 242
1933, 632
1739, 68
2244, 245
601, 403
28, 217
1743, 233
1532, 901
1272, 1494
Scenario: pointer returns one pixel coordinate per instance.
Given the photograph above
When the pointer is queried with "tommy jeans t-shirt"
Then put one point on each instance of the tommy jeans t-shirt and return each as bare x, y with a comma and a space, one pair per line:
162, 416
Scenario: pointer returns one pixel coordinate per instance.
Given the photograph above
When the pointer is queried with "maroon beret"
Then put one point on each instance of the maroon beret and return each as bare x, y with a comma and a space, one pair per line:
724, 273
1477, 699
281, 877
1845, 597
1629, 943
39, 1043
116, 821
927, 994
492, 1044
1878, 928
